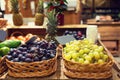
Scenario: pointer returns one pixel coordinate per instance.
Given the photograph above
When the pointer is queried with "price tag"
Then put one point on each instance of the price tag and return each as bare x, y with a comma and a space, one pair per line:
65, 39
3, 35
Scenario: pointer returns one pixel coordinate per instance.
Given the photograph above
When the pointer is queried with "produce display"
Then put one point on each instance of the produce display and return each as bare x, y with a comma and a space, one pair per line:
84, 52
6, 45
78, 35
22, 38
36, 51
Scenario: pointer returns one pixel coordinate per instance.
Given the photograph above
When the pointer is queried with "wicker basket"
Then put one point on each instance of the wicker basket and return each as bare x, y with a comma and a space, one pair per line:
33, 69
3, 66
88, 71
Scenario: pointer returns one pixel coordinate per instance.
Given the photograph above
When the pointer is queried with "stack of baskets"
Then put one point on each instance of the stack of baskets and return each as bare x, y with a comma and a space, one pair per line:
88, 71
3, 66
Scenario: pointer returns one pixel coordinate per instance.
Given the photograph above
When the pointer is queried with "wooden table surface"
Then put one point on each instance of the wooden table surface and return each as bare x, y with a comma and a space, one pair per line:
57, 75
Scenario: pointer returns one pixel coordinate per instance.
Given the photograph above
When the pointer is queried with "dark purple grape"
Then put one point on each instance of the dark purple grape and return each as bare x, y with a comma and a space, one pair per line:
23, 58
24, 53
16, 60
28, 60
28, 55
39, 42
15, 54
32, 49
52, 55
36, 58
9, 57
23, 45
47, 55
18, 52
66, 32
21, 48
42, 51
75, 35
44, 58
74, 32
44, 44
12, 50
25, 48
70, 32
52, 45
35, 43
20, 55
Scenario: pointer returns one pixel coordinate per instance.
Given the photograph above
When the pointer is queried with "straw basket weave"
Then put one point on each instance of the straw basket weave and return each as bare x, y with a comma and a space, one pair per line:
3, 66
33, 69
88, 71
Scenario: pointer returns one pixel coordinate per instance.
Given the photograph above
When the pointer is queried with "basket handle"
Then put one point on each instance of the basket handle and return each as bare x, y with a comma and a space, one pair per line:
16, 32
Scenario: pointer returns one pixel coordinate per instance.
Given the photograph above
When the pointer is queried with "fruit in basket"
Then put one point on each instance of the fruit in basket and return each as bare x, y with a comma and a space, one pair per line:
10, 43
21, 38
36, 51
4, 50
78, 35
84, 52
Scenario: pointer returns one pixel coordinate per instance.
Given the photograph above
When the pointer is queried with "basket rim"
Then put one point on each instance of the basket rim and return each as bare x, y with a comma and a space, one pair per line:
21, 63
109, 60
2, 58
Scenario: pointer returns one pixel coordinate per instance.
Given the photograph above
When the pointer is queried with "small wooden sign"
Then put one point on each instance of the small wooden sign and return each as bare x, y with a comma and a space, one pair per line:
65, 39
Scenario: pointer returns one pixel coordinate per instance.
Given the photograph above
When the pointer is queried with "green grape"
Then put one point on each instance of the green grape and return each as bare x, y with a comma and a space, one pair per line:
101, 54
105, 57
67, 44
91, 54
100, 48
73, 60
81, 52
88, 58
86, 62
77, 59
100, 61
83, 56
81, 60
74, 55
96, 55
94, 46
86, 50
67, 56
76, 48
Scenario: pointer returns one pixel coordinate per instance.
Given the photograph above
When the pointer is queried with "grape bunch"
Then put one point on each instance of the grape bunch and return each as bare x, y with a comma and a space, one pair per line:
85, 52
78, 35
36, 51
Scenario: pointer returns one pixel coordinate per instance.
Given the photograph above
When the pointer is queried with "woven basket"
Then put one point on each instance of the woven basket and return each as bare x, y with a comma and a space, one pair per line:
3, 66
33, 69
88, 71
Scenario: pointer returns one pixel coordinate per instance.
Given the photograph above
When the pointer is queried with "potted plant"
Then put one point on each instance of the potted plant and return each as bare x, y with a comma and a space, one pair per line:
60, 6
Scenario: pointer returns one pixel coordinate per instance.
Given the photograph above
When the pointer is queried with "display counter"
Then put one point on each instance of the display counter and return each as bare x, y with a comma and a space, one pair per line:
59, 74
